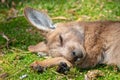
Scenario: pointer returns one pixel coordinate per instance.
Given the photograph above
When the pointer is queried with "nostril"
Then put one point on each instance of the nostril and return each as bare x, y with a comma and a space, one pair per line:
77, 54
74, 53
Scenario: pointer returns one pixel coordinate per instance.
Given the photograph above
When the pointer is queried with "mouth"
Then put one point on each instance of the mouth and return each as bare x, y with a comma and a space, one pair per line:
76, 59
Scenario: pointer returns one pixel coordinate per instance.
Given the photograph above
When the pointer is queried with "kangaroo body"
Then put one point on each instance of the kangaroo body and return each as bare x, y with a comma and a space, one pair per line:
84, 44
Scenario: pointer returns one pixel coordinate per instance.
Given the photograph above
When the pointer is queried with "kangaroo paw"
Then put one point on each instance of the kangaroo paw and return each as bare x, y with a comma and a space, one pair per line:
63, 68
37, 68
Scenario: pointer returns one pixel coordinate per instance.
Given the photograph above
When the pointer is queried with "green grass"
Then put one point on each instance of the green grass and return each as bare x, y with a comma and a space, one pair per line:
16, 59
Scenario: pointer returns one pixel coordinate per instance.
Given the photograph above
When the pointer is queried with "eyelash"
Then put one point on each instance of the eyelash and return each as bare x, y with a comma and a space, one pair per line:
61, 40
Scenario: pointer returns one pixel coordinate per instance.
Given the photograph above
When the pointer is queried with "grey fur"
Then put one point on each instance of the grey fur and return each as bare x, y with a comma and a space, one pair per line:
39, 19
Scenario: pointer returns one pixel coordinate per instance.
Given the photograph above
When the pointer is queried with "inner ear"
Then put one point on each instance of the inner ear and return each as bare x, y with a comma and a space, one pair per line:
38, 19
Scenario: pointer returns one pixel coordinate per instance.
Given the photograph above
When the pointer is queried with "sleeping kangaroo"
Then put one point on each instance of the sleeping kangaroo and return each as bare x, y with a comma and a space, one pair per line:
82, 44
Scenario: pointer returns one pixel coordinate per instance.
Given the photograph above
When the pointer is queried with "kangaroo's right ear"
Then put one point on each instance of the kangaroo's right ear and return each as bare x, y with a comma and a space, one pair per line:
38, 19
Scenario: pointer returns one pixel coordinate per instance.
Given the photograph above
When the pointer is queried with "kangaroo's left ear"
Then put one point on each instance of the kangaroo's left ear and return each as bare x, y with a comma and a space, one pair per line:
38, 19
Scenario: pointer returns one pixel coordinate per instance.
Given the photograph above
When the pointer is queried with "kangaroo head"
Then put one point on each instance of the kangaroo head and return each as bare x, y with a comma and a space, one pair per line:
63, 39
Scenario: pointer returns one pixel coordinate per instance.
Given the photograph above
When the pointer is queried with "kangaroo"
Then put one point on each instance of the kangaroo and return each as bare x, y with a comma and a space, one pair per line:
82, 44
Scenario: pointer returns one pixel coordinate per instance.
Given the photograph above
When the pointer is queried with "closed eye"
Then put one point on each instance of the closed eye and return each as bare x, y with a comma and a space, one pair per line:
61, 40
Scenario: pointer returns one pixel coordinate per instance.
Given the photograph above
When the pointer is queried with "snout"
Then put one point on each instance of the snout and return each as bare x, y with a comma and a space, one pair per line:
78, 55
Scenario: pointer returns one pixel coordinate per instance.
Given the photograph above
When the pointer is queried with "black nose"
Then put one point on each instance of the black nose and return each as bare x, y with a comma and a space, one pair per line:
74, 53
77, 54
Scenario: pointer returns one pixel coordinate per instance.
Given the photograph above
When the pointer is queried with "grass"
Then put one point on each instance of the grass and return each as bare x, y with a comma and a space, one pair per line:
16, 58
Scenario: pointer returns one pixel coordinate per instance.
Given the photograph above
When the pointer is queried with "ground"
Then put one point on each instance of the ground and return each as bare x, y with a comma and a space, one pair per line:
15, 58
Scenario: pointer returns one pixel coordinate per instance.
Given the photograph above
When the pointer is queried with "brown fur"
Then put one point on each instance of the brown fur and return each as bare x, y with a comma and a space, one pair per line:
98, 42
99, 38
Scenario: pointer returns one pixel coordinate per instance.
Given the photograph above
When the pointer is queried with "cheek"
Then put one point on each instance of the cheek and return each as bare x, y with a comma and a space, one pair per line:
60, 52
66, 53
54, 53
57, 52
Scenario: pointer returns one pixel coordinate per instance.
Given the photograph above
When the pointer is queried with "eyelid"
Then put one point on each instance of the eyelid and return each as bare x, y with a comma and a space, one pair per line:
61, 40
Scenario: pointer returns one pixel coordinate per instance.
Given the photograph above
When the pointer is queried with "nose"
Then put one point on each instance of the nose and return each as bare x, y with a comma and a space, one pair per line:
77, 54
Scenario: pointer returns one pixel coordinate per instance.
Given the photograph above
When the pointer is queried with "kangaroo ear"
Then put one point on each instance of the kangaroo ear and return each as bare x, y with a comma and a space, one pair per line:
38, 19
